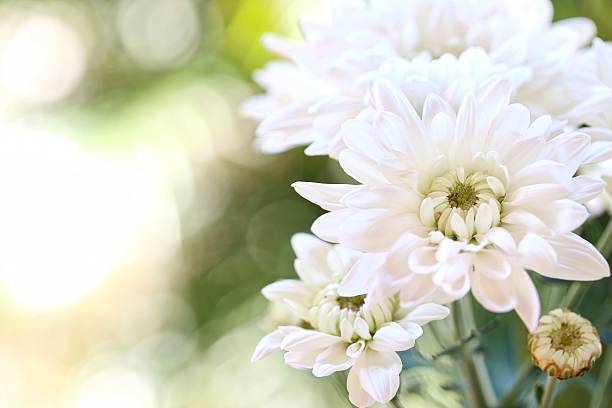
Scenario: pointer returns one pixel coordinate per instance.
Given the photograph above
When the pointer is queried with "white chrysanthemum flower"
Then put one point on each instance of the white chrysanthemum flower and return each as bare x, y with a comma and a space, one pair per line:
456, 200
564, 344
592, 87
341, 333
305, 105
320, 87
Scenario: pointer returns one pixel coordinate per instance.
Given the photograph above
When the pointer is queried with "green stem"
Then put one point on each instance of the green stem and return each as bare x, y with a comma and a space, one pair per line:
578, 290
526, 374
603, 383
549, 391
395, 403
340, 386
481, 393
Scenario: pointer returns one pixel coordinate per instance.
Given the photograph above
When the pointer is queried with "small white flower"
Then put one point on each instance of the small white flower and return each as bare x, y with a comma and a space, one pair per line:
453, 200
564, 344
321, 84
342, 333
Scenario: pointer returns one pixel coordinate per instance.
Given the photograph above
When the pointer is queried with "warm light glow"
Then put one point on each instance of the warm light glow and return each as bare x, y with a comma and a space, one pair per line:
67, 218
42, 59
118, 388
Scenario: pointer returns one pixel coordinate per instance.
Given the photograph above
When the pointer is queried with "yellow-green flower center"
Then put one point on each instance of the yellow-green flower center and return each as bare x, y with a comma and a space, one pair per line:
462, 195
353, 303
568, 337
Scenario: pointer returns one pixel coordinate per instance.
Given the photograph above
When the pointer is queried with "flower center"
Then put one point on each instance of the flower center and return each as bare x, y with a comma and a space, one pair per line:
462, 195
465, 205
353, 303
567, 337
329, 310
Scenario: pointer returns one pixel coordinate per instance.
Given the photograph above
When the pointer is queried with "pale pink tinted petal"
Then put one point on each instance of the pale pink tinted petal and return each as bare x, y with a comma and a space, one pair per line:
535, 195
287, 289
426, 313
302, 360
586, 188
527, 299
578, 259
308, 340
502, 239
537, 254
562, 215
311, 263
271, 342
379, 374
382, 196
357, 395
393, 337
416, 290
494, 295
376, 230
333, 359
423, 260
361, 168
327, 196
328, 225
389, 98
492, 263
310, 248
359, 279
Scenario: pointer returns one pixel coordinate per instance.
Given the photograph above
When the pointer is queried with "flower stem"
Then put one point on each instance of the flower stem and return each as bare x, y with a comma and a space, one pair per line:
526, 374
603, 383
549, 391
340, 386
577, 290
481, 393
395, 403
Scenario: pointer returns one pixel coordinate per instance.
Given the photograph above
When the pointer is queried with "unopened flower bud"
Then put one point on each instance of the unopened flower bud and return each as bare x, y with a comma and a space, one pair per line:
564, 344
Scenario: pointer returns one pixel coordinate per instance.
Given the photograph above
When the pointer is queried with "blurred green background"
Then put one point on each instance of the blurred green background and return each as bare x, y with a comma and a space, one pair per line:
138, 224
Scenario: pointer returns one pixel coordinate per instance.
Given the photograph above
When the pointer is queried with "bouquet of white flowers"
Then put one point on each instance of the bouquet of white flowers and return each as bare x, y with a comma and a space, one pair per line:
474, 131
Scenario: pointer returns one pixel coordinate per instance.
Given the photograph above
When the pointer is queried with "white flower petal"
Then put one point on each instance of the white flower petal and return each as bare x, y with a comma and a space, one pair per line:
494, 295
376, 230
327, 196
393, 337
308, 340
271, 342
362, 328
382, 196
288, 289
361, 168
586, 188
426, 212
493, 264
425, 313
346, 330
389, 98
302, 360
527, 299
536, 253
359, 279
577, 258
502, 239
333, 359
379, 374
328, 226
357, 394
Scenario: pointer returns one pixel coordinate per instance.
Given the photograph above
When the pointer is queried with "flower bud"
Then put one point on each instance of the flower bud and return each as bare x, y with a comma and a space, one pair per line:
564, 344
